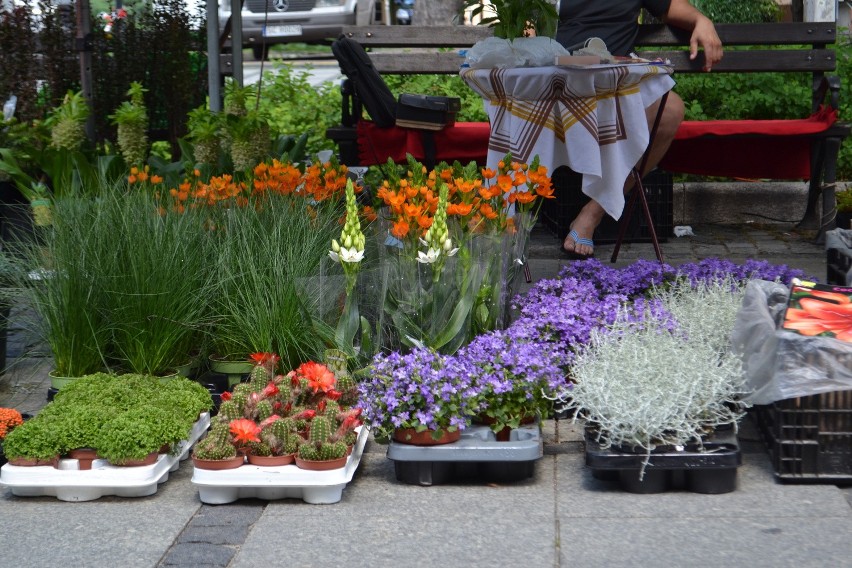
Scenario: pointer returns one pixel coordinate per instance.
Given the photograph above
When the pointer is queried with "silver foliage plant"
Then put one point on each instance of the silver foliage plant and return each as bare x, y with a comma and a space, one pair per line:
648, 383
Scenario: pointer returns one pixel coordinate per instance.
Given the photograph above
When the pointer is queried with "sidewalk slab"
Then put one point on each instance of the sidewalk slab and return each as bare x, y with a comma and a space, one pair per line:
382, 522
112, 531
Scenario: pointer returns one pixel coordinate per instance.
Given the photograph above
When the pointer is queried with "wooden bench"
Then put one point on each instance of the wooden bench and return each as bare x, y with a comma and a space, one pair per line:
806, 49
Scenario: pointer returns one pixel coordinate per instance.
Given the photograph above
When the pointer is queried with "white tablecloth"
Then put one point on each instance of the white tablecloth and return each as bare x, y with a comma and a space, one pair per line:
591, 119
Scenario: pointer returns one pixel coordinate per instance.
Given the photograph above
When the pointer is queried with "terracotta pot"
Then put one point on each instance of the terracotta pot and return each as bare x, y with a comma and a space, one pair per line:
323, 465
270, 461
29, 462
216, 465
150, 459
84, 457
165, 448
425, 438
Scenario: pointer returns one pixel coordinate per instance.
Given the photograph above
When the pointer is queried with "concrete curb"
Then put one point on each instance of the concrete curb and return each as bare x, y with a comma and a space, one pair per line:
732, 203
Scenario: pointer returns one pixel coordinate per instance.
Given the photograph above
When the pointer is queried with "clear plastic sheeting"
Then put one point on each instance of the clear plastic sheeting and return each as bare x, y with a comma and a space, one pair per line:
782, 364
499, 53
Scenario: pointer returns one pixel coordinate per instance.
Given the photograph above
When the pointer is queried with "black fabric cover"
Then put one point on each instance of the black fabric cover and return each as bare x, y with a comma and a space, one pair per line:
369, 86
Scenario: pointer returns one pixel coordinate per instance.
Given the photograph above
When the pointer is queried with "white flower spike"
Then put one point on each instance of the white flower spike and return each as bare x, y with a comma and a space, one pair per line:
428, 257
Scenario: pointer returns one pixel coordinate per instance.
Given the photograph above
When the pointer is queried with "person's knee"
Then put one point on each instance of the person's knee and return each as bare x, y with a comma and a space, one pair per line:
672, 117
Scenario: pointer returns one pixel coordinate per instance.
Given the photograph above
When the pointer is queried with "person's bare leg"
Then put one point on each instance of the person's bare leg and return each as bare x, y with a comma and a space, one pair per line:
591, 215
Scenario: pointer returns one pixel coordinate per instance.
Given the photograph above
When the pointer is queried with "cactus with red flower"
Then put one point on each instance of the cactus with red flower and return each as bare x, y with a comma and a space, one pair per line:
302, 412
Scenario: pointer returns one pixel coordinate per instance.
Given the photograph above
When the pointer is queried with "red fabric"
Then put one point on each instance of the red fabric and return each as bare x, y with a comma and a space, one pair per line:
464, 141
773, 149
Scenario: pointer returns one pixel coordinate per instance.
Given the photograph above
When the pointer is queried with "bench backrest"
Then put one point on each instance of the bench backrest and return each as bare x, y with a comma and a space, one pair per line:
808, 47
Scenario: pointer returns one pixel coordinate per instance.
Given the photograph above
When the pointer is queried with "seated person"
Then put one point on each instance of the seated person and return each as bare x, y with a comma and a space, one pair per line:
616, 22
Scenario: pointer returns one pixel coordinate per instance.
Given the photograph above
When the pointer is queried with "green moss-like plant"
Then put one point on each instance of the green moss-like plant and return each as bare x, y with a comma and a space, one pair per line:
187, 397
34, 439
131, 435
78, 426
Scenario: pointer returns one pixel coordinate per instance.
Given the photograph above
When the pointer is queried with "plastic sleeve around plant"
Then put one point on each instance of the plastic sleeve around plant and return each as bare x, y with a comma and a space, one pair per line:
781, 364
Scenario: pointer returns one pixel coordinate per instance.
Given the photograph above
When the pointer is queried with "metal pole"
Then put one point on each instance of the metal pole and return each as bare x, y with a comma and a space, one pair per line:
84, 30
214, 79
237, 40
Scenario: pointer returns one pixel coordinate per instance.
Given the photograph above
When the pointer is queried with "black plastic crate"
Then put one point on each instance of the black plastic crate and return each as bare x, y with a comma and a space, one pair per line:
557, 214
809, 438
837, 264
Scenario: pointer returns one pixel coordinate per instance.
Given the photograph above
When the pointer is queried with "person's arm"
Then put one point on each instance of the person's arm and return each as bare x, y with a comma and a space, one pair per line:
684, 15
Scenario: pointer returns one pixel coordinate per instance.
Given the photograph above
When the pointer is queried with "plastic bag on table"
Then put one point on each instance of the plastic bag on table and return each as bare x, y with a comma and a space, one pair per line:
538, 51
492, 53
781, 364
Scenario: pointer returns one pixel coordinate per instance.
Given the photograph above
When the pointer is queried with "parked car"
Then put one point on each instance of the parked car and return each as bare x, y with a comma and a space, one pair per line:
404, 12
267, 22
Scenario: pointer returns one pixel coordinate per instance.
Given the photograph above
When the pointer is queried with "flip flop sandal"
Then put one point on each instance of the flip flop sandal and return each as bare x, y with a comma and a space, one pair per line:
578, 240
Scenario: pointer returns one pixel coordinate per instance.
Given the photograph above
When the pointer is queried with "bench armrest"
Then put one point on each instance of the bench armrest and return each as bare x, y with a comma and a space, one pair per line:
826, 92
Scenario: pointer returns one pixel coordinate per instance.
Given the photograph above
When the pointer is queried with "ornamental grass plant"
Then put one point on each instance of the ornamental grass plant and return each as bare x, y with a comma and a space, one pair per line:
67, 300
262, 251
154, 272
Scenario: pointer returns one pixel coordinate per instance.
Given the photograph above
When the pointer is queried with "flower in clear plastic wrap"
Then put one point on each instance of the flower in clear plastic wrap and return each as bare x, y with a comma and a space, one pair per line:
437, 239
450, 248
349, 252
428, 257
343, 254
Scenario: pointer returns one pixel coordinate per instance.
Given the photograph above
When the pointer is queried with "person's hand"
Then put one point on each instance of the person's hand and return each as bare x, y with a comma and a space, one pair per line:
704, 35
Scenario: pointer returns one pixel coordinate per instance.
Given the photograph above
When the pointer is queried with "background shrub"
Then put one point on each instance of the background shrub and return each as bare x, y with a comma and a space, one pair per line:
159, 44
739, 11
293, 106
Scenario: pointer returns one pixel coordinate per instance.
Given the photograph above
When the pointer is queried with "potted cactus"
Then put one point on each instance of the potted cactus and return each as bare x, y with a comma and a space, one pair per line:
274, 419
217, 451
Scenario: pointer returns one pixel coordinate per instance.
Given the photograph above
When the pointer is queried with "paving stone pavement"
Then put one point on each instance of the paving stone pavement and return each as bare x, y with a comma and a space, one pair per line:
561, 516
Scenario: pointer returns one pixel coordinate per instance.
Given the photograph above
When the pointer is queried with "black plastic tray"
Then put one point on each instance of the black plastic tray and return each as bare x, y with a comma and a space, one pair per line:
711, 470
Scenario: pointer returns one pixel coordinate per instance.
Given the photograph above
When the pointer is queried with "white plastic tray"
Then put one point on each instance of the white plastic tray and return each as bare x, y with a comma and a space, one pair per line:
279, 482
69, 483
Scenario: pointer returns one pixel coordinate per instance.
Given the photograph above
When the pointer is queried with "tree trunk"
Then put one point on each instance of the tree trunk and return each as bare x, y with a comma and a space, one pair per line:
436, 12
